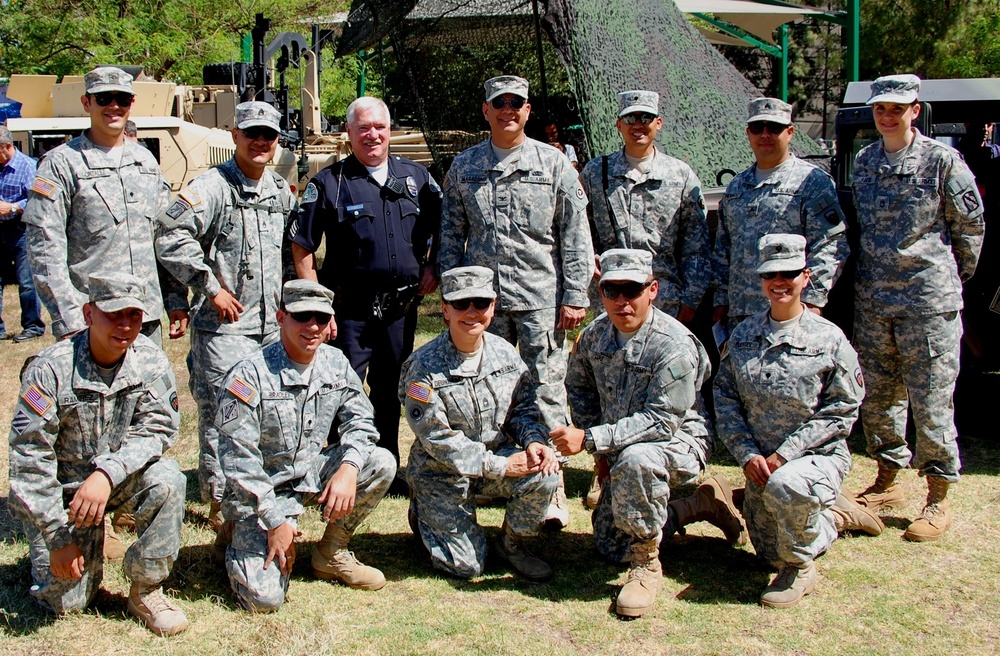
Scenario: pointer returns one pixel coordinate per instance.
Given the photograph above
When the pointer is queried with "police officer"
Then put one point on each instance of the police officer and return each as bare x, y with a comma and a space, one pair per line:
634, 384
516, 206
921, 220
379, 215
275, 412
222, 236
95, 415
470, 401
779, 193
93, 206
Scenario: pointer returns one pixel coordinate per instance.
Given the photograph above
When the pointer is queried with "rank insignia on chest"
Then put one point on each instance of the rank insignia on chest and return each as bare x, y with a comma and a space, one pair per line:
242, 390
419, 392
411, 186
36, 400
44, 187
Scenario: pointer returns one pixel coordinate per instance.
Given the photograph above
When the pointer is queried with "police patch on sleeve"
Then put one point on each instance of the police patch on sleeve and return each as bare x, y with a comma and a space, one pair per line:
411, 186
20, 422
310, 195
230, 411
432, 183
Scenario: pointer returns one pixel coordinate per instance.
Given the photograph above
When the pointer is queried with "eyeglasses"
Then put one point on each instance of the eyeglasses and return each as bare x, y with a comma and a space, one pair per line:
515, 103
758, 127
322, 318
630, 290
463, 304
104, 99
786, 275
258, 131
645, 119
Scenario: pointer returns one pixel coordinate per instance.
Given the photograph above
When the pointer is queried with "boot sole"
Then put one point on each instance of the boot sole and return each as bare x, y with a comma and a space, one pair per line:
788, 604
632, 612
330, 576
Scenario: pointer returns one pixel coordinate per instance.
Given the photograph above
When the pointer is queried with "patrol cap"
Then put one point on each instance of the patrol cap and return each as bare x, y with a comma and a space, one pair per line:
117, 291
108, 78
901, 89
250, 114
620, 264
467, 282
769, 109
306, 296
497, 86
781, 252
630, 102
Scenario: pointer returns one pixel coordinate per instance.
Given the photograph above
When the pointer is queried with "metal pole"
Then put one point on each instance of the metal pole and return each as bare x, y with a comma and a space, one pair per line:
783, 80
541, 60
852, 70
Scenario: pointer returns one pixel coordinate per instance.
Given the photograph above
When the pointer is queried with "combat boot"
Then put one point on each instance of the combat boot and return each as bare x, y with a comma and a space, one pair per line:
557, 514
850, 516
511, 550
638, 595
594, 493
791, 584
332, 561
114, 549
936, 516
712, 502
884, 494
160, 615
215, 518
223, 539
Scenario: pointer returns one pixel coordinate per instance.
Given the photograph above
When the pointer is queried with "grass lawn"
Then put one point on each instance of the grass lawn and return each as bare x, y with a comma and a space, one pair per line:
873, 596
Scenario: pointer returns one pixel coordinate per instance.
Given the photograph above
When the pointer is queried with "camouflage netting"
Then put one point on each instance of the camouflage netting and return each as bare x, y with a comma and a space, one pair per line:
592, 49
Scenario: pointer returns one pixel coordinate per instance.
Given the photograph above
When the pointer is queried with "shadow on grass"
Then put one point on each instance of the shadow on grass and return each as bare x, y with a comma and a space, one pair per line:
712, 571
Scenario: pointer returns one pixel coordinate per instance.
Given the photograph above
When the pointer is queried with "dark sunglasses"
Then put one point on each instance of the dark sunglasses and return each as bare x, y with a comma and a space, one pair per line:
305, 317
463, 304
645, 119
515, 103
104, 99
258, 131
786, 275
758, 127
630, 290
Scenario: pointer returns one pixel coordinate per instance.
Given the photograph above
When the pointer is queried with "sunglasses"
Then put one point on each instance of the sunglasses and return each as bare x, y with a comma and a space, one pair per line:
515, 103
463, 304
258, 131
322, 318
630, 290
786, 275
645, 119
104, 99
758, 127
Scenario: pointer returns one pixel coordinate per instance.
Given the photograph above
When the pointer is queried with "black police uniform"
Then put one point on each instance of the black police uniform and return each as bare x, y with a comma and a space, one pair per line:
377, 238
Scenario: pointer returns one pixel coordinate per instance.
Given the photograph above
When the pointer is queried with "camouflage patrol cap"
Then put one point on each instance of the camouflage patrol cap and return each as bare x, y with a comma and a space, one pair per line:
901, 89
631, 102
620, 264
250, 114
117, 291
108, 78
769, 109
497, 86
467, 282
781, 252
306, 296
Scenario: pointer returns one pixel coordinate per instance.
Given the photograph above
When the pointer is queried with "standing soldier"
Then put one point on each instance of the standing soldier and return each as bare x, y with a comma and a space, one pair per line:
222, 237
779, 193
516, 206
921, 220
379, 215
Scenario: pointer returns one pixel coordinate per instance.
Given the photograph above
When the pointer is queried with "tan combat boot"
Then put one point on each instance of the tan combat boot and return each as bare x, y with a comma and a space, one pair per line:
638, 595
332, 561
712, 502
791, 584
557, 514
512, 551
215, 518
936, 516
850, 516
884, 494
223, 539
594, 493
114, 549
160, 615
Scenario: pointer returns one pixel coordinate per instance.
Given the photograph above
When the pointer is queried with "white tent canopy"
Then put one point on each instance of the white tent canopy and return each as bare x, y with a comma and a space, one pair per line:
760, 20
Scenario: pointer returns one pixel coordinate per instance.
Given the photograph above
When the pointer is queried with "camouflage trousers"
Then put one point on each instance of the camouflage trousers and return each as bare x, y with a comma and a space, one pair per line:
633, 502
263, 590
154, 331
446, 511
911, 362
155, 496
211, 356
789, 519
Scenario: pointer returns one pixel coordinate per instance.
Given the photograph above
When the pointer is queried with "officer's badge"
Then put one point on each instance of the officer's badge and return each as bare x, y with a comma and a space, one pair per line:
230, 411
411, 186
36, 400
858, 377
189, 197
242, 390
20, 422
419, 392
44, 187
310, 195
173, 402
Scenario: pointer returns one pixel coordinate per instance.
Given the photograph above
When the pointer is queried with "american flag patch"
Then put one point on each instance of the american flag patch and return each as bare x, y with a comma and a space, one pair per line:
241, 390
43, 187
419, 392
38, 401
190, 197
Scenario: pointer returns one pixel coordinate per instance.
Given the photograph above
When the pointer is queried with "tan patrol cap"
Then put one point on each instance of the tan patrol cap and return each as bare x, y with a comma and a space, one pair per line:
306, 296
467, 282
117, 291
626, 264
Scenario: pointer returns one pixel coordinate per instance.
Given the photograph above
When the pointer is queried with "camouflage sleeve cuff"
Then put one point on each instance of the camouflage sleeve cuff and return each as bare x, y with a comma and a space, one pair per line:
788, 452
212, 286
112, 469
272, 519
60, 328
600, 437
575, 299
494, 466
354, 457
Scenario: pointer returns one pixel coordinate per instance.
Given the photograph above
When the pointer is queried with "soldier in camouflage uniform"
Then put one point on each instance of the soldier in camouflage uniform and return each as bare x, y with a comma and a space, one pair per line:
222, 236
274, 415
95, 415
634, 384
93, 208
779, 193
786, 396
470, 401
921, 219
516, 206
